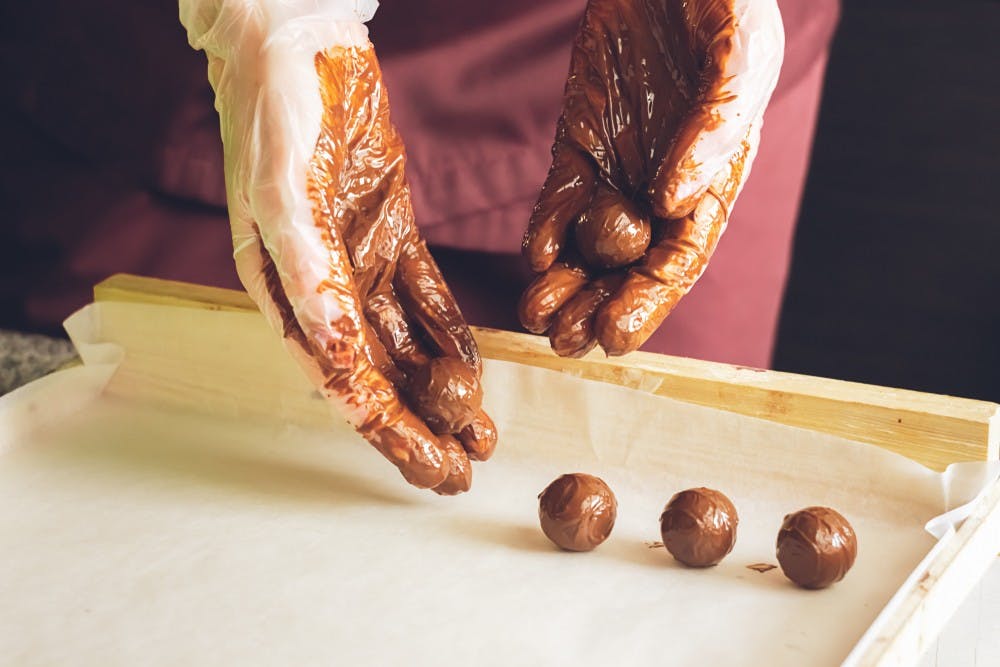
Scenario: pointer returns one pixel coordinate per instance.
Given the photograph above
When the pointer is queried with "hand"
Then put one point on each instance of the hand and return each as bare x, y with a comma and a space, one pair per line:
323, 230
663, 107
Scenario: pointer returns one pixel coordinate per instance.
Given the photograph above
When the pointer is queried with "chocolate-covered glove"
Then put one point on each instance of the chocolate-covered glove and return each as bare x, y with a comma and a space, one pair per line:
661, 121
323, 230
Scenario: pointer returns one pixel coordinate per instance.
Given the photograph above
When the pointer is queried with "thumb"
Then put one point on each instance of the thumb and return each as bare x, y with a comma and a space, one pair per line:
743, 49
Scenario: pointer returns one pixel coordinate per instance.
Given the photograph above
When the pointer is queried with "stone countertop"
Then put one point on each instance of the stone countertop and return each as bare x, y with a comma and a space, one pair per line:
26, 357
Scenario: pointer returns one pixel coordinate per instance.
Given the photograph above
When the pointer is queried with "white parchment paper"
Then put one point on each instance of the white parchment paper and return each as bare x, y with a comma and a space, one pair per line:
136, 533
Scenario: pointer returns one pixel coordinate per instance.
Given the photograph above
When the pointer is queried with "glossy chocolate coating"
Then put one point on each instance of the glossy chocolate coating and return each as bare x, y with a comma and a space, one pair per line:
644, 82
816, 547
698, 527
459, 478
572, 330
612, 233
577, 511
480, 437
547, 294
447, 394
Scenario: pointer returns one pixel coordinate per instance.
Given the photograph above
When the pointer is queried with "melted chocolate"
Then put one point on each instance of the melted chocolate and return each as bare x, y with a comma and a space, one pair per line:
547, 294
639, 71
577, 511
644, 76
459, 478
572, 331
480, 437
699, 527
613, 232
447, 394
391, 297
816, 547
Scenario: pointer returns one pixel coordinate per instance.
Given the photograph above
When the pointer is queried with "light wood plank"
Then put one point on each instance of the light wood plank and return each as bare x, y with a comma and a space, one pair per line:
925, 603
138, 289
931, 429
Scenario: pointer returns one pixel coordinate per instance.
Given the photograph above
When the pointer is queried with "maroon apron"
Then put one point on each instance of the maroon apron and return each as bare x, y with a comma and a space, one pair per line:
116, 165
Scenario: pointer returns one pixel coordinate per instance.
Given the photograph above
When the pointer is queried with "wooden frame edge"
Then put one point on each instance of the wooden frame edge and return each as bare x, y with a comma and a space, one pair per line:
929, 598
930, 429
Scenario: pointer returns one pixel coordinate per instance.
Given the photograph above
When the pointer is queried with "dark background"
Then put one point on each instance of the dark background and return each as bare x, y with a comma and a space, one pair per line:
895, 280
896, 272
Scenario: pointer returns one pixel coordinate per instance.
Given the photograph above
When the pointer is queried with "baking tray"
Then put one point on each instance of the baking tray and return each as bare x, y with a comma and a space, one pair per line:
188, 498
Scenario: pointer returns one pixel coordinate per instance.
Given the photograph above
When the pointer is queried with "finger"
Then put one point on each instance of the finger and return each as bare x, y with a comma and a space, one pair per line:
426, 298
743, 44
376, 411
459, 478
565, 194
673, 265
257, 274
394, 329
446, 397
612, 232
572, 332
676, 261
381, 359
651, 290
547, 294
480, 437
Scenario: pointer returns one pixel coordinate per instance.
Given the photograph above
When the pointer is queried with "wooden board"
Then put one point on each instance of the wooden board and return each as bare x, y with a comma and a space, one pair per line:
931, 429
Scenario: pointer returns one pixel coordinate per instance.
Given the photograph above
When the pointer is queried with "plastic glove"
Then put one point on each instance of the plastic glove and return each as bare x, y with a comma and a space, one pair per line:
323, 230
661, 121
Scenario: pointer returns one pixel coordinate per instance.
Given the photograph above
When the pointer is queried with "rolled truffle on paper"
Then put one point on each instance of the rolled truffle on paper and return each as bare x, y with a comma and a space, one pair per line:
577, 511
698, 527
816, 547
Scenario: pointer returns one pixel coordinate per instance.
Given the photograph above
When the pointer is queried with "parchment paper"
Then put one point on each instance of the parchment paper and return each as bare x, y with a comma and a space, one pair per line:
133, 533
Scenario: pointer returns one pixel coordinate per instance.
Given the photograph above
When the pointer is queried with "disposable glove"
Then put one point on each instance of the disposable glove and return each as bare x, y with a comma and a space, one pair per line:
663, 108
323, 231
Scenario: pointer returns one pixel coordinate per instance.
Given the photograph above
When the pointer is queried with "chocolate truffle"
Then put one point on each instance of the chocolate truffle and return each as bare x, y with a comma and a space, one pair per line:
577, 511
613, 232
699, 527
447, 394
816, 547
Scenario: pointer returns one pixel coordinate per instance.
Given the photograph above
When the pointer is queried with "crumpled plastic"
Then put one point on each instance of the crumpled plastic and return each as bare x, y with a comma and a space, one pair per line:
261, 57
661, 122
323, 232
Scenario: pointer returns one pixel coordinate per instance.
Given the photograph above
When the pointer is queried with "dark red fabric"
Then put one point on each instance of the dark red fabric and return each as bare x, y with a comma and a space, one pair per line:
113, 160
480, 104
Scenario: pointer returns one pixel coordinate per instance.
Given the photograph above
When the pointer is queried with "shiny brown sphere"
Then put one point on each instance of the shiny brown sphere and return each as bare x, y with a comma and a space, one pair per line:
698, 527
816, 547
447, 394
613, 232
577, 511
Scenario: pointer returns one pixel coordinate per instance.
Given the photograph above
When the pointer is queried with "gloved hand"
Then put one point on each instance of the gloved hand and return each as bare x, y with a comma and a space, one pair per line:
323, 230
661, 121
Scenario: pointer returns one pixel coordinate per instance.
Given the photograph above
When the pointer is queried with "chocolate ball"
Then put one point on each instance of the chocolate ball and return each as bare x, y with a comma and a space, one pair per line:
699, 527
447, 394
577, 511
612, 232
816, 547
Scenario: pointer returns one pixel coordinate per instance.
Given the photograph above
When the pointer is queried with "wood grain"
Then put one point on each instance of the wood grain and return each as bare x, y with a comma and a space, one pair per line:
920, 609
930, 429
934, 430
